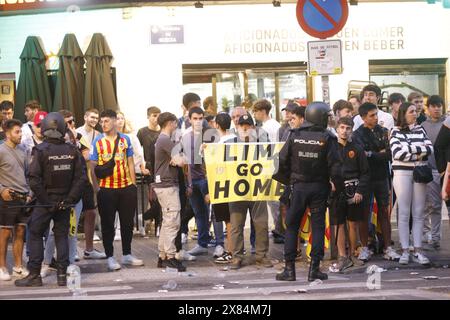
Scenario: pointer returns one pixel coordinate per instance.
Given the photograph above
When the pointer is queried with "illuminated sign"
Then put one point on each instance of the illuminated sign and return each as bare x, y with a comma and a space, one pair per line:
20, 5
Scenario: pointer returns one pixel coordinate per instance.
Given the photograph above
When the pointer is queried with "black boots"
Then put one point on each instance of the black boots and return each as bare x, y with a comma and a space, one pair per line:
33, 279
314, 271
288, 273
61, 276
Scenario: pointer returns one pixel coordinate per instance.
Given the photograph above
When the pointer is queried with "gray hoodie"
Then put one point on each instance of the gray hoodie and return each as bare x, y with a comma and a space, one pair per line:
432, 129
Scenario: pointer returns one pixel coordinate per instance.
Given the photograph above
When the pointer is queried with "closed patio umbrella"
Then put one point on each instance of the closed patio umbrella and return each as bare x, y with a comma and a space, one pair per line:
33, 80
99, 90
69, 91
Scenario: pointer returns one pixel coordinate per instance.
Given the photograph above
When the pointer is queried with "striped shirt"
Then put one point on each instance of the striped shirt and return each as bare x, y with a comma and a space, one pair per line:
101, 152
409, 148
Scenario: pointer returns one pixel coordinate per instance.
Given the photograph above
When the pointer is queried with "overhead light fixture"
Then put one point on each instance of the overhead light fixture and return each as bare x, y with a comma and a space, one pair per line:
353, 2
276, 3
198, 5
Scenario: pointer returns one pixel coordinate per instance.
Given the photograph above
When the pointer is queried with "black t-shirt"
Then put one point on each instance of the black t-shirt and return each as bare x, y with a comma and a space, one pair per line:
148, 138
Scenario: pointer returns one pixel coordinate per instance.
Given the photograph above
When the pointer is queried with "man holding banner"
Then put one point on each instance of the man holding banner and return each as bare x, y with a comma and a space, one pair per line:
310, 158
240, 173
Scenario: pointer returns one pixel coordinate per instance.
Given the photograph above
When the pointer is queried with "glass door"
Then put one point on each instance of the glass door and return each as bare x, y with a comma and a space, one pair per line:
229, 90
261, 85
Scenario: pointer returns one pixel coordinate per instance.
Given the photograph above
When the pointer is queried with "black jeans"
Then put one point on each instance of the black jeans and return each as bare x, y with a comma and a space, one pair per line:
38, 226
312, 195
110, 201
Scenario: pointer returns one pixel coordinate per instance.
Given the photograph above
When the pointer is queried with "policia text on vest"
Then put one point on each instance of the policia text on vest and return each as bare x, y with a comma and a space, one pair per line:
243, 172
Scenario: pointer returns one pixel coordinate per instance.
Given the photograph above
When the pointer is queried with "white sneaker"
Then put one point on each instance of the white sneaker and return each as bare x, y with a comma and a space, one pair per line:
420, 258
184, 238
113, 264
390, 254
404, 259
182, 255
20, 272
132, 261
198, 250
94, 254
96, 238
364, 255
45, 270
218, 252
4, 274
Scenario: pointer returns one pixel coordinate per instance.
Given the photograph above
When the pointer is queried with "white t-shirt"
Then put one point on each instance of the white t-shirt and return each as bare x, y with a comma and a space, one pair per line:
27, 132
138, 152
88, 136
384, 119
272, 128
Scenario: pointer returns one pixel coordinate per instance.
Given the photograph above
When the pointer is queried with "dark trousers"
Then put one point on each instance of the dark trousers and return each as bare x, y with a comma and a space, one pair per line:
110, 201
314, 196
38, 226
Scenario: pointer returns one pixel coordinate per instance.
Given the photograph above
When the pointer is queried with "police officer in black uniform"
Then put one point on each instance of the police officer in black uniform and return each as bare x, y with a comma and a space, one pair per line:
309, 158
56, 179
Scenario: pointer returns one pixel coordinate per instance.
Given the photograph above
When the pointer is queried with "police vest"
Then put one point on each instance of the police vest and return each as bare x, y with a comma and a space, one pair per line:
309, 156
58, 166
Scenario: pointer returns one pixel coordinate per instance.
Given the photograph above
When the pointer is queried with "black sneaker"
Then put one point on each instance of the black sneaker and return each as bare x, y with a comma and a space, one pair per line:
224, 259
175, 264
53, 265
161, 263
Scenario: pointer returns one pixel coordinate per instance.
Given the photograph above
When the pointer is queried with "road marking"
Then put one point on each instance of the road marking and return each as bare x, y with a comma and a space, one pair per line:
273, 280
30, 291
414, 279
211, 293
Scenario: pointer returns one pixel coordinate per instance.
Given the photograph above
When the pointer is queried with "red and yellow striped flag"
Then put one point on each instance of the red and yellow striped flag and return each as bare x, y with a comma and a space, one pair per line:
327, 235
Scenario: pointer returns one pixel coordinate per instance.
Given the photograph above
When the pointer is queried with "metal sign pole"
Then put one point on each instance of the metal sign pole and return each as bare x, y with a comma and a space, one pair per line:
326, 89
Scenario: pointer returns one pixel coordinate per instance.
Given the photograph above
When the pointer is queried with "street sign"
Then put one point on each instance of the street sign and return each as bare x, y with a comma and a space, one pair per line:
168, 34
322, 18
324, 57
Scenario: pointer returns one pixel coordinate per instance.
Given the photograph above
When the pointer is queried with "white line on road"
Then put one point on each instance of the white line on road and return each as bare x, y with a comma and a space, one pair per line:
28, 291
214, 293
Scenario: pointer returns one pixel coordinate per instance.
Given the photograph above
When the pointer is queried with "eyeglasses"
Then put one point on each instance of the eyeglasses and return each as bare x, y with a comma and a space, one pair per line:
71, 121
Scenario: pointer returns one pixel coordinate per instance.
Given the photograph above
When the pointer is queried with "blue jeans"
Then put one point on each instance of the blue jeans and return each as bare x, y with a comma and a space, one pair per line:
201, 210
218, 230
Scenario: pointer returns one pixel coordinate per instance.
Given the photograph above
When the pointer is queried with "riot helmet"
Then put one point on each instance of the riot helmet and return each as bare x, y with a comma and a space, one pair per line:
54, 126
317, 113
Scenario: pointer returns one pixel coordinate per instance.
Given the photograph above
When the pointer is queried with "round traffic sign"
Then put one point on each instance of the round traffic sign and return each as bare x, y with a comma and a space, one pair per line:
322, 18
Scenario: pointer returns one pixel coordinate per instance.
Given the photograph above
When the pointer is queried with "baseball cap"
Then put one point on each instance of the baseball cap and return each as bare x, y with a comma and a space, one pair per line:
246, 119
39, 116
290, 107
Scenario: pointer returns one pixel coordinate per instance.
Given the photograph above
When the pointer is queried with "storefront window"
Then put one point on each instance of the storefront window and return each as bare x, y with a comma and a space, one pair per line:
230, 90
234, 85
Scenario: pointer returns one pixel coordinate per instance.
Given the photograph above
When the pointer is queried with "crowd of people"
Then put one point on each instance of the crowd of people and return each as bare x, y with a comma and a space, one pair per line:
347, 158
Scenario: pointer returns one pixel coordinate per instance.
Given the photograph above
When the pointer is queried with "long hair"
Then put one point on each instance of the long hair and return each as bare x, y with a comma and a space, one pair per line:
126, 129
401, 118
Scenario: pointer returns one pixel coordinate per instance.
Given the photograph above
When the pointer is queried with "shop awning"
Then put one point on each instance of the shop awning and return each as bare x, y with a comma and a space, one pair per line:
99, 90
69, 90
33, 81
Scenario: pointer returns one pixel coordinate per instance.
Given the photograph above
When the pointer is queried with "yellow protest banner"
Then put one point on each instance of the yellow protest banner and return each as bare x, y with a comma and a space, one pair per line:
242, 171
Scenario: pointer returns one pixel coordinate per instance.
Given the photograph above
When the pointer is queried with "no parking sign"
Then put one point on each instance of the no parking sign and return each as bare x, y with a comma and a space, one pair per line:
322, 18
